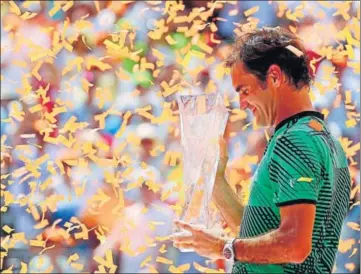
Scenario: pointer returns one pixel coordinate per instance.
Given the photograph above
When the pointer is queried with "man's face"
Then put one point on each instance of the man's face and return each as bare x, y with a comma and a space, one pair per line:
254, 95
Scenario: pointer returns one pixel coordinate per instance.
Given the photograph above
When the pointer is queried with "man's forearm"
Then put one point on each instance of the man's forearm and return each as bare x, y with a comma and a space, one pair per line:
228, 203
275, 247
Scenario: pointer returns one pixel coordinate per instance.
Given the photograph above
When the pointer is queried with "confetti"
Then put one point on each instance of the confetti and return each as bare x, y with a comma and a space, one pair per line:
180, 269
354, 226
7, 229
251, 11
350, 266
304, 179
106, 262
24, 267
346, 245
163, 260
315, 125
145, 261
163, 249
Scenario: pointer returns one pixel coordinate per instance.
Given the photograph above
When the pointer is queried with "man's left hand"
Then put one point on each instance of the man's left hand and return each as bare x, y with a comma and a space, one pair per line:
206, 242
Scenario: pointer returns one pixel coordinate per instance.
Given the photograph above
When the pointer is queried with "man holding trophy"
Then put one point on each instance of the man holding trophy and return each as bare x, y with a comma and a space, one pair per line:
300, 192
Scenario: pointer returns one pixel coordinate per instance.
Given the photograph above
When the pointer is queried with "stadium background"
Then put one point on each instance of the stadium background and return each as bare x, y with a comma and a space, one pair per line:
88, 106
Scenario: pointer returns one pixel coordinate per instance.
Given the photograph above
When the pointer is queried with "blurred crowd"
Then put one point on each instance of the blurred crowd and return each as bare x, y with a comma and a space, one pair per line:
90, 136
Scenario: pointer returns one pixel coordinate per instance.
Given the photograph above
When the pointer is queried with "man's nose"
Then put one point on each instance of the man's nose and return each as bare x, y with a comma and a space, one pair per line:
244, 104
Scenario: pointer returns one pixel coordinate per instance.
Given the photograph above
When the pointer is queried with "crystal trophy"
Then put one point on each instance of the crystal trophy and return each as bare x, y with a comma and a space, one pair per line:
203, 120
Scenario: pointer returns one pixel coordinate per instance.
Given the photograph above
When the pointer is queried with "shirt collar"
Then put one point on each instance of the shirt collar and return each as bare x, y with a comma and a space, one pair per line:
298, 116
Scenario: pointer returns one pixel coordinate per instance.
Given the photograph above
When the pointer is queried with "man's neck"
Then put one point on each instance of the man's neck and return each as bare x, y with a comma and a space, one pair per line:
293, 102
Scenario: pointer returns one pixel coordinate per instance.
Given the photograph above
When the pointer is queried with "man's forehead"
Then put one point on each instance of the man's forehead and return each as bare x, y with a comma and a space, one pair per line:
239, 75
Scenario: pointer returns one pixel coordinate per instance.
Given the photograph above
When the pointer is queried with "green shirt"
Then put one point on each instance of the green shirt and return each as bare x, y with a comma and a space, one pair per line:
302, 163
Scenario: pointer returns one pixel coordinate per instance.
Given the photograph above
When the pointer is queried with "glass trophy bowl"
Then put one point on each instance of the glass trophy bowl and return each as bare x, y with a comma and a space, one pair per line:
203, 120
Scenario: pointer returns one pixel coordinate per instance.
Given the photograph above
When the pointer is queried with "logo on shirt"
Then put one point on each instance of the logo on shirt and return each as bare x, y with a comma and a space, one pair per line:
292, 183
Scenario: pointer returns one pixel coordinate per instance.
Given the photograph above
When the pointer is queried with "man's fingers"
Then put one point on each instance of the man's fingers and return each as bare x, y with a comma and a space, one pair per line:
182, 239
184, 225
184, 245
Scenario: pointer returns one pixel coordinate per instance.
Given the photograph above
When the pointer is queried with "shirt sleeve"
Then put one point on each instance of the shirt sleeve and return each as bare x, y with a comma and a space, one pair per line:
295, 169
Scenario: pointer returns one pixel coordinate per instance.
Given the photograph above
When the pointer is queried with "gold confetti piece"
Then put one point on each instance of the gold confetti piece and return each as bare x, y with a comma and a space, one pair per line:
77, 62
124, 124
351, 123
19, 63
37, 243
170, 40
305, 179
153, 186
84, 234
135, 184
347, 96
93, 61
354, 226
180, 269
107, 262
165, 195
7, 229
158, 54
292, 29
251, 11
315, 125
204, 47
77, 266
146, 261
9, 270
42, 224
122, 74
14, 8
355, 66
66, 142
56, 8
237, 115
72, 258
157, 150
34, 212
72, 126
171, 158
101, 197
35, 108
346, 245
350, 266
162, 239
163, 260
163, 249
325, 112
24, 267
354, 251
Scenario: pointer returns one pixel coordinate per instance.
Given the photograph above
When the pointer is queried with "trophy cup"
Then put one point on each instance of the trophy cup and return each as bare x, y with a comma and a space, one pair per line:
203, 119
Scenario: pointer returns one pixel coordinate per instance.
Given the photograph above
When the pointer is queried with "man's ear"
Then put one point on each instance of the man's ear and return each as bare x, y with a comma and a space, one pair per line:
274, 76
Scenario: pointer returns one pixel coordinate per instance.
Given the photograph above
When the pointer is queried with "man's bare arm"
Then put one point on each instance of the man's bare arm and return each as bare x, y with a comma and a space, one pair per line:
290, 243
226, 200
228, 203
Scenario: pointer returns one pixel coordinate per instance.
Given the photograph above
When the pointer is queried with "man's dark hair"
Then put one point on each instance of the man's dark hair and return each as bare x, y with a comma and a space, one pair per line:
259, 49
